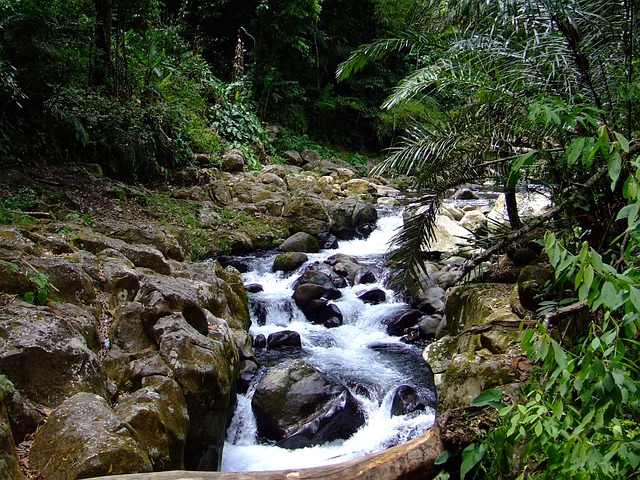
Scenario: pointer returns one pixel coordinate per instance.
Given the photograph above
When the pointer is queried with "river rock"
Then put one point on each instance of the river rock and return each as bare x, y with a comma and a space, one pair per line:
254, 288
45, 353
282, 339
428, 326
300, 242
9, 464
406, 400
346, 266
306, 213
96, 442
171, 241
465, 194
373, 296
319, 274
289, 261
158, 414
232, 161
432, 300
205, 367
327, 241
297, 399
353, 213
260, 341
320, 311
404, 320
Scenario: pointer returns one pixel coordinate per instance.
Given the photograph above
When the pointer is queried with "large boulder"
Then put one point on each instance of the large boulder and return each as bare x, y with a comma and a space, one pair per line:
352, 213
84, 438
205, 367
289, 261
300, 242
479, 351
9, 464
158, 414
296, 400
45, 353
306, 213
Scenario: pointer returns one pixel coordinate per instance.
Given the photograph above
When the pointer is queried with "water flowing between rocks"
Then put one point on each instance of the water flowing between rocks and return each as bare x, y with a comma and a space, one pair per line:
359, 353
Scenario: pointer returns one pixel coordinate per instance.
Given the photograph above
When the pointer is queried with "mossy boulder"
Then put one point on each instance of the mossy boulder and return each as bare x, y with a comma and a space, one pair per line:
300, 242
84, 438
289, 261
531, 282
45, 354
307, 213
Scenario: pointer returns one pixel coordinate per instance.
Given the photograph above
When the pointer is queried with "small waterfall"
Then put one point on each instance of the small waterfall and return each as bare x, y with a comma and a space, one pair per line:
359, 353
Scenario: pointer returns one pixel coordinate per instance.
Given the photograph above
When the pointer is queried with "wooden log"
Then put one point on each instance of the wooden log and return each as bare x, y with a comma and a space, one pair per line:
414, 459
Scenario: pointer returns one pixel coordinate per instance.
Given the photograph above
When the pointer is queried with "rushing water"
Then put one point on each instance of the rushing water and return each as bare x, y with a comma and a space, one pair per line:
359, 353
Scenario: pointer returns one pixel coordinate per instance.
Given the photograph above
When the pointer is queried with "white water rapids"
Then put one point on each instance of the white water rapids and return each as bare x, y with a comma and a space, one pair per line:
344, 352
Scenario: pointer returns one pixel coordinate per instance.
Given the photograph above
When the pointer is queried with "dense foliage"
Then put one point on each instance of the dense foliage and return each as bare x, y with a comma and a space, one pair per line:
542, 92
141, 86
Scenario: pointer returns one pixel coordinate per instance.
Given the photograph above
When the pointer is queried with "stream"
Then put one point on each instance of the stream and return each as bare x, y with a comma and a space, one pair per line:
359, 353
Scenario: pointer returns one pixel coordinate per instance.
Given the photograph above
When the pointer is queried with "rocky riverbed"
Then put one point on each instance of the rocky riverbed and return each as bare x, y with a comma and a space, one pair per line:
120, 350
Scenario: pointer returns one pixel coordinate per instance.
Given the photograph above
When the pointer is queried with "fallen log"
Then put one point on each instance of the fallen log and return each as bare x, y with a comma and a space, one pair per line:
414, 459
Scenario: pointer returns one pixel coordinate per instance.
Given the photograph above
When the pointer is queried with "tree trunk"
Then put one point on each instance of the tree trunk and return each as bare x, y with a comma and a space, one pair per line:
414, 459
512, 208
103, 65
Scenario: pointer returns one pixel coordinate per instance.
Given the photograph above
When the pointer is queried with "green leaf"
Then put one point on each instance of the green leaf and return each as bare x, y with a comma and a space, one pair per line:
487, 398
522, 160
470, 457
574, 152
614, 165
442, 458
622, 140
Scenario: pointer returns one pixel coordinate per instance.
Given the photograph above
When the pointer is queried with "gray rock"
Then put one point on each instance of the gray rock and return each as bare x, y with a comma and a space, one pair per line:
300, 242
45, 356
306, 213
282, 339
96, 442
297, 399
289, 261
205, 367
232, 161
158, 414
293, 158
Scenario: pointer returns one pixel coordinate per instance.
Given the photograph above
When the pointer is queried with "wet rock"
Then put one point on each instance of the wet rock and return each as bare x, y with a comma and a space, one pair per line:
283, 339
327, 241
317, 274
320, 311
346, 266
365, 276
248, 370
298, 400
352, 213
96, 442
45, 354
306, 213
300, 242
474, 220
332, 322
205, 367
407, 319
289, 261
305, 293
406, 400
254, 288
238, 264
373, 296
260, 341
158, 414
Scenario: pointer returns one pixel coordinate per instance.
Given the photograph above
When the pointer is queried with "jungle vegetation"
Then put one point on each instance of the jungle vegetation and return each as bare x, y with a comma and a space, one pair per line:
515, 92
